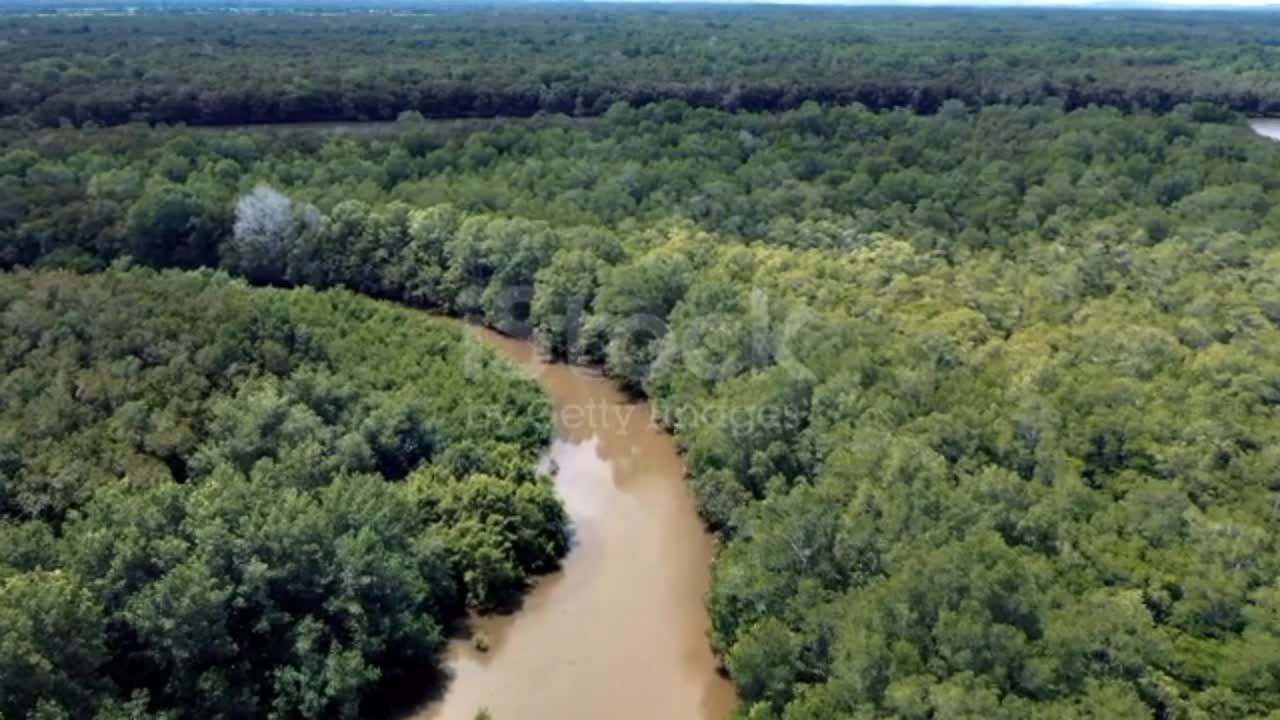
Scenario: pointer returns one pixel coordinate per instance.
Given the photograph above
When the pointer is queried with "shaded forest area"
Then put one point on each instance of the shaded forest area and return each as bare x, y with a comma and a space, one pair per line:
982, 404
235, 68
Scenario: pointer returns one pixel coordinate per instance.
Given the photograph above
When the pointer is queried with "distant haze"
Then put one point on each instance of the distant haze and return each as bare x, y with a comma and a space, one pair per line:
1099, 4
370, 4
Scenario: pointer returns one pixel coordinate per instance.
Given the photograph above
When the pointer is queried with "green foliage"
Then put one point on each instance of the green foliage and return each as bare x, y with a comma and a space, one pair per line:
462, 62
213, 528
982, 403
171, 225
560, 302
52, 641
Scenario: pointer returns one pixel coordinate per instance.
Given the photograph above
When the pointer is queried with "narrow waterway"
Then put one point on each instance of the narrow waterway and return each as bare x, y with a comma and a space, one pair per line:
620, 631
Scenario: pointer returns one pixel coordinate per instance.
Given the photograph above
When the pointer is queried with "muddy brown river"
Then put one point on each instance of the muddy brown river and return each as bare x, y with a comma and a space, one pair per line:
620, 631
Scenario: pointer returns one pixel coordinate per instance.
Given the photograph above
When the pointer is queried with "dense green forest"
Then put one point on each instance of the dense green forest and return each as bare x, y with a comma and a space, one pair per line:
982, 403
195, 513
978, 383
515, 60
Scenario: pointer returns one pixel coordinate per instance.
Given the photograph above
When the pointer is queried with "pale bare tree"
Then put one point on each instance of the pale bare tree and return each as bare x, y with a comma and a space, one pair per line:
265, 226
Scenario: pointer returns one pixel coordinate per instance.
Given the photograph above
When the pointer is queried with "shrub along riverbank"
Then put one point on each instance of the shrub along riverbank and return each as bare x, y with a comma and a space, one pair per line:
220, 501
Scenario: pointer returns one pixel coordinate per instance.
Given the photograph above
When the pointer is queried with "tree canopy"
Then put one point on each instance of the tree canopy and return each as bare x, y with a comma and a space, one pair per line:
981, 400
218, 501
219, 65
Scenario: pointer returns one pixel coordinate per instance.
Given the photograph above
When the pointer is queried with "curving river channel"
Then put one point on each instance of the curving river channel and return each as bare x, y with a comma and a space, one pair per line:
620, 631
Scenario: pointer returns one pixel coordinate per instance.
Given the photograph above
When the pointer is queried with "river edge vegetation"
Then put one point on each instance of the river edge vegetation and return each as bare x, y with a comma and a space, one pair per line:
199, 519
982, 403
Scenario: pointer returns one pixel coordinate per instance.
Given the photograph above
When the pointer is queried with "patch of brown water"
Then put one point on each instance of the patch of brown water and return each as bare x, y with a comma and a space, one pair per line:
620, 631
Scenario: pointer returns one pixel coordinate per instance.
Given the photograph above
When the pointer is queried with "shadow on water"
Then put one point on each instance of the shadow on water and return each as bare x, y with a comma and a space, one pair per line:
399, 696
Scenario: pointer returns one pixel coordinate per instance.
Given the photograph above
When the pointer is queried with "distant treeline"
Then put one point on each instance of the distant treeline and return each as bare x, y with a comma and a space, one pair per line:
264, 67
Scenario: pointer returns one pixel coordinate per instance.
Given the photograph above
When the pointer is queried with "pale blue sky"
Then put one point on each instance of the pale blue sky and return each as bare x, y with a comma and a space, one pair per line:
1021, 3
1199, 4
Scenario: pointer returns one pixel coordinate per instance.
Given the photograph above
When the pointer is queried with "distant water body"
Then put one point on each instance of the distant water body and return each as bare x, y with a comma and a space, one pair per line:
1266, 127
